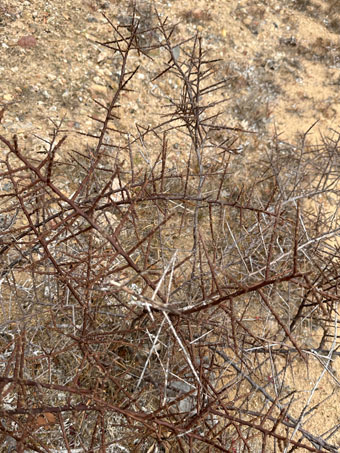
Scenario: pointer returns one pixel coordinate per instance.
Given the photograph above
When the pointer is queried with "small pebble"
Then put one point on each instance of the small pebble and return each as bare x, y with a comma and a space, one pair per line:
27, 42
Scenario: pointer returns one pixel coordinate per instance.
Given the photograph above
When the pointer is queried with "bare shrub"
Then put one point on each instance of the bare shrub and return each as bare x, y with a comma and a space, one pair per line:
155, 286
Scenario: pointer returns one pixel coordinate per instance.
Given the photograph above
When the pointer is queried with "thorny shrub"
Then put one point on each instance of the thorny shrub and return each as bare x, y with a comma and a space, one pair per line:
155, 285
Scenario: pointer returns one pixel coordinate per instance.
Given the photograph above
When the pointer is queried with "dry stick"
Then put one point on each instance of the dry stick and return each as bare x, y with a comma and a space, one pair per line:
325, 369
62, 426
20, 440
43, 243
271, 433
311, 288
211, 266
121, 86
271, 242
193, 198
185, 352
211, 302
313, 439
238, 421
123, 202
318, 292
237, 246
146, 419
112, 239
66, 219
164, 157
278, 320
319, 238
152, 350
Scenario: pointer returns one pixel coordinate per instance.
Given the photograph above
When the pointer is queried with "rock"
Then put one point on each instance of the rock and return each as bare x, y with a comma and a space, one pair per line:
96, 90
27, 42
98, 80
181, 386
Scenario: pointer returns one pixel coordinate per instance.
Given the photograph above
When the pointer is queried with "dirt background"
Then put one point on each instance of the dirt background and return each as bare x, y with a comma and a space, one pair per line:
281, 58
